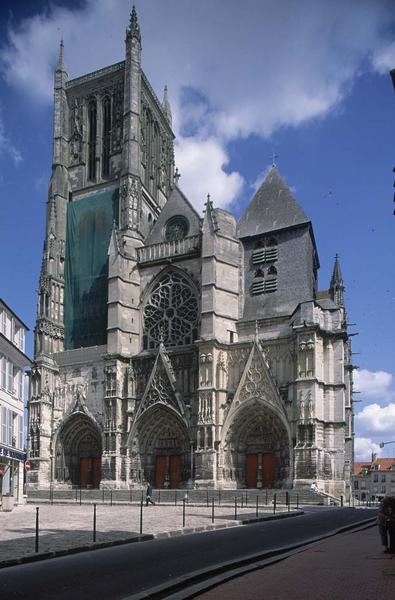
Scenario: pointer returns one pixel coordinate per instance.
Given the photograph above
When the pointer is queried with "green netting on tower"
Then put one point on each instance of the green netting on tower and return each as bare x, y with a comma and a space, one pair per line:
89, 224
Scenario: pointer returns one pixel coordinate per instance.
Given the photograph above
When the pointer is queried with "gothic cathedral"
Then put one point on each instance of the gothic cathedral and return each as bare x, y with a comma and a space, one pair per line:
182, 350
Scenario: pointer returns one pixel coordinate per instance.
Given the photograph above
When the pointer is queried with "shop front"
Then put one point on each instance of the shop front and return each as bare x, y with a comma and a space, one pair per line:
11, 476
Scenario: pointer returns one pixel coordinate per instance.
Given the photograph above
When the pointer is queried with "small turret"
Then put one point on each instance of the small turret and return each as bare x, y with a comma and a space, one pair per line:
166, 106
336, 288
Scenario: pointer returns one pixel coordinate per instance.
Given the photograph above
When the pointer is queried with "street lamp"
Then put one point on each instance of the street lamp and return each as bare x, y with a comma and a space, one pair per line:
382, 444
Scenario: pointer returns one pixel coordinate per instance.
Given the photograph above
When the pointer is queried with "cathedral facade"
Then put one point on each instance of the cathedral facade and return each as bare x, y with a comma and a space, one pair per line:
170, 347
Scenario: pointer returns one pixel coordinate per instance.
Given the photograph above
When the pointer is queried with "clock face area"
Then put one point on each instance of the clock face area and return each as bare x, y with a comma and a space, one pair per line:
176, 228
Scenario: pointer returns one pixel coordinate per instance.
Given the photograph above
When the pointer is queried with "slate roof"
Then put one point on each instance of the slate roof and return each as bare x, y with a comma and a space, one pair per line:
272, 208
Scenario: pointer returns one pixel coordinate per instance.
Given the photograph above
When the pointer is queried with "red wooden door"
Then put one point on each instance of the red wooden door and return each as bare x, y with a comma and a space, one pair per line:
96, 474
269, 463
84, 472
160, 471
251, 470
175, 470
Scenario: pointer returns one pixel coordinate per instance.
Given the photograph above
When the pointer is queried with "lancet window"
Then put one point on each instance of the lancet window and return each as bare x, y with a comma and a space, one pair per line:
170, 313
106, 111
92, 114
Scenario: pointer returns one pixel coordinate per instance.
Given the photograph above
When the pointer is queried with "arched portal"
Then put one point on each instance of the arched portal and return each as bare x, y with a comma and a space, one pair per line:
160, 449
257, 448
78, 452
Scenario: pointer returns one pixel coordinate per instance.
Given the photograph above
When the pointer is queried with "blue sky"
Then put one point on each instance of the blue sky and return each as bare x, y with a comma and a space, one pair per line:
308, 81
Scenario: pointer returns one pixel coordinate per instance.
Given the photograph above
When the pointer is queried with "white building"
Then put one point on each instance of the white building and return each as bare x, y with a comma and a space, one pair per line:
13, 361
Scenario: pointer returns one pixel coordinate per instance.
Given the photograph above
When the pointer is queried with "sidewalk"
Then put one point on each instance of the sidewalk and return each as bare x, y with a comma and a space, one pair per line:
62, 527
350, 566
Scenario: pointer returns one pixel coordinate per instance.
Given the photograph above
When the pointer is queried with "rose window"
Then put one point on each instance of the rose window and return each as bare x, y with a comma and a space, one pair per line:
171, 313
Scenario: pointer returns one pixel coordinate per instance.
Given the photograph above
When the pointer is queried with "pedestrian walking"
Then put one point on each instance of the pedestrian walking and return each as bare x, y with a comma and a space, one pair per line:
386, 523
148, 499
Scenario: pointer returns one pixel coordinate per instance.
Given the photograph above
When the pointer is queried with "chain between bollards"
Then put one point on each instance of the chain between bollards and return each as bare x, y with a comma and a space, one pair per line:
94, 522
141, 517
37, 528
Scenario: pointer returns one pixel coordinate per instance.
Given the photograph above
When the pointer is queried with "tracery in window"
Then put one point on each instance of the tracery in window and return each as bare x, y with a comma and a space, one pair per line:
171, 313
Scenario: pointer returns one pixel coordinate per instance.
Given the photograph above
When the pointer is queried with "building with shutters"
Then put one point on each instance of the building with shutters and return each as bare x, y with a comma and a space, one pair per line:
13, 362
170, 346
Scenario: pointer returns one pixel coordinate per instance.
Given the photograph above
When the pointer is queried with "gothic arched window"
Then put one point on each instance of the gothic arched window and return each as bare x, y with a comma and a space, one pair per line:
92, 114
171, 313
106, 106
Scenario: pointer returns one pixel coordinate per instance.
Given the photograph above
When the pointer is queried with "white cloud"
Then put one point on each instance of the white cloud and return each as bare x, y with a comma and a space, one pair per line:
7, 147
384, 60
376, 419
373, 383
364, 447
201, 163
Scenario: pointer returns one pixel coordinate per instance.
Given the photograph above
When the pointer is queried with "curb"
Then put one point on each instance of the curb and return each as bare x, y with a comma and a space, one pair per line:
194, 583
12, 562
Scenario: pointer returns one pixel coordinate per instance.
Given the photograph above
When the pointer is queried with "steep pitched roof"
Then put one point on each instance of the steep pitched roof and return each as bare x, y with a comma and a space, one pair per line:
273, 207
177, 204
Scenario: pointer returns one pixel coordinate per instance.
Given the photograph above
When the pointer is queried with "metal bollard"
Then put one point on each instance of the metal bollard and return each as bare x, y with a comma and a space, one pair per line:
219, 497
235, 508
37, 528
159, 497
103, 496
287, 498
207, 498
242, 501
94, 522
289, 506
110, 497
175, 498
183, 512
266, 498
274, 503
80, 496
141, 517
76, 494
256, 507
212, 510
341, 500
297, 501
246, 499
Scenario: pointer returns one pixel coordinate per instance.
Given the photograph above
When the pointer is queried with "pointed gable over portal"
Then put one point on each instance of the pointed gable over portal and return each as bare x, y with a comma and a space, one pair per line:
257, 383
272, 208
161, 387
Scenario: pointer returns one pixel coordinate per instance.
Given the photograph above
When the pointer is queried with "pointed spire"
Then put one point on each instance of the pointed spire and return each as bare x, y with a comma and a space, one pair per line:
134, 28
61, 66
336, 288
166, 106
209, 220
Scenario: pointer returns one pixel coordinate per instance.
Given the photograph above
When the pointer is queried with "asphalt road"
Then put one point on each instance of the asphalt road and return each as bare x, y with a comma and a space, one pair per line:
114, 573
